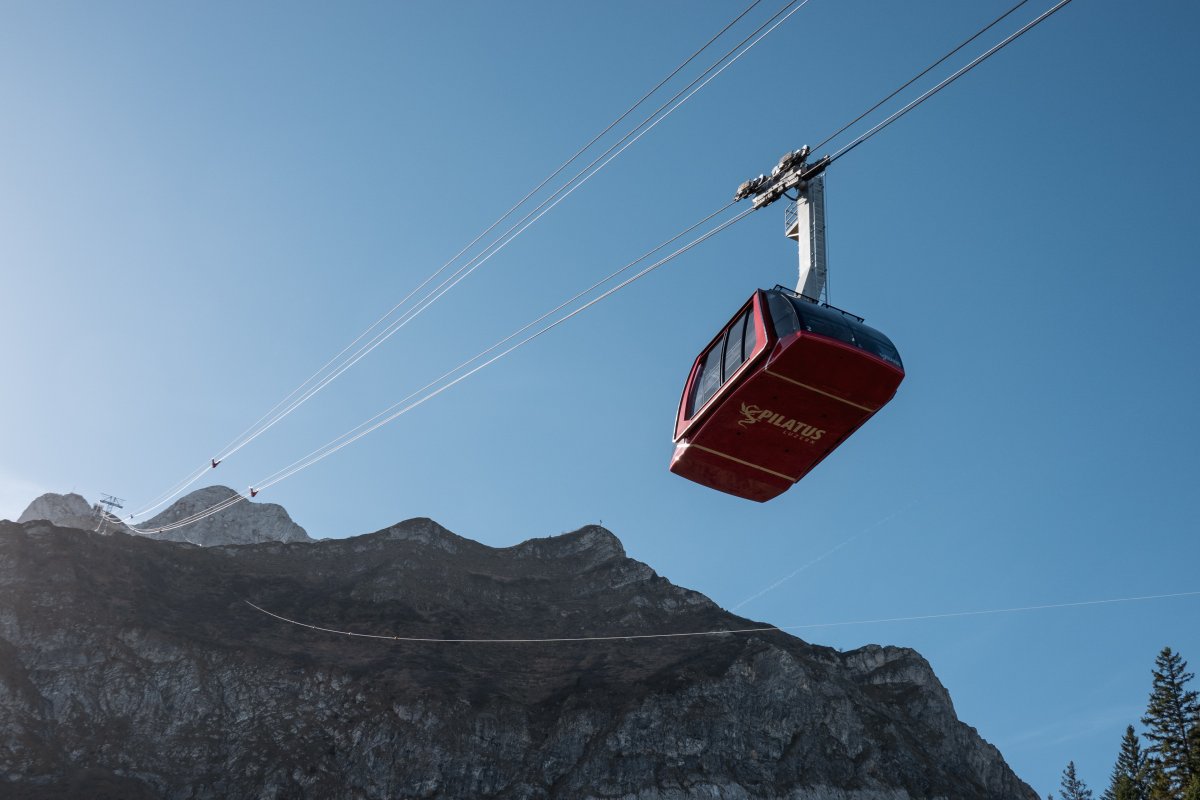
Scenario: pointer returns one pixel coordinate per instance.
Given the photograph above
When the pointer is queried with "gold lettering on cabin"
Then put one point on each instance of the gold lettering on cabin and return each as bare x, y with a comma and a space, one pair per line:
752, 414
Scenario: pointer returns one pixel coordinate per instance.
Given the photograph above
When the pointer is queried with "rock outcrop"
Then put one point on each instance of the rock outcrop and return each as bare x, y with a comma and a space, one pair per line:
137, 668
244, 522
64, 510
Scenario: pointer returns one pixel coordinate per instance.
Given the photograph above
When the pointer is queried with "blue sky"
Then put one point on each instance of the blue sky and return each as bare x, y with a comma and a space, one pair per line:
201, 204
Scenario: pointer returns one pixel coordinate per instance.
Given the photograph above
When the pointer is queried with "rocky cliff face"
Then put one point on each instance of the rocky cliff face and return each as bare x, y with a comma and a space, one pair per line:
242, 523
64, 510
135, 668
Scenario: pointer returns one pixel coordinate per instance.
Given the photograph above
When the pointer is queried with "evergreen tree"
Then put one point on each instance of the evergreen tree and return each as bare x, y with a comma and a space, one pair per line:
1194, 750
1171, 716
1129, 775
1159, 786
1123, 788
1072, 787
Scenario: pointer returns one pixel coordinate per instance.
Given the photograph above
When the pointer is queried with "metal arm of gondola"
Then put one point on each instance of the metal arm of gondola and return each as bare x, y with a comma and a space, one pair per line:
792, 172
806, 225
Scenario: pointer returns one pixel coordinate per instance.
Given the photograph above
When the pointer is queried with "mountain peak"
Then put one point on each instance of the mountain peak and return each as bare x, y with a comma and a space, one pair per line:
244, 522
424, 530
592, 543
65, 510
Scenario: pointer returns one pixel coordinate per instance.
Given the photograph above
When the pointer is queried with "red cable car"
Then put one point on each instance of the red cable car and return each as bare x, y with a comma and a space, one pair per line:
779, 388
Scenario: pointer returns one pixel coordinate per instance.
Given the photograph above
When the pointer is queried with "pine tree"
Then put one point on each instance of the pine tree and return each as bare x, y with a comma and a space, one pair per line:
1194, 750
1072, 787
1171, 715
1159, 786
1129, 774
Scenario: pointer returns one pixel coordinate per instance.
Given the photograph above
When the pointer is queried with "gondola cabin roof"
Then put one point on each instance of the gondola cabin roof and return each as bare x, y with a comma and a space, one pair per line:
781, 385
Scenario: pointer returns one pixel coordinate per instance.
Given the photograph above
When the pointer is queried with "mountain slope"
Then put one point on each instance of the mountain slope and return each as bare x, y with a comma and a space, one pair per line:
68, 510
137, 665
244, 522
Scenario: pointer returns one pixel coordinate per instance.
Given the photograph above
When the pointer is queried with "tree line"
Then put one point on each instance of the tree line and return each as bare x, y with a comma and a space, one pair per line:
1167, 766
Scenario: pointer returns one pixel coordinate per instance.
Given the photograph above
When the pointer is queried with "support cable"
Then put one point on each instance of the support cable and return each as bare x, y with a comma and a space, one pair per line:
963, 71
400, 408
644, 127
216, 508
373, 425
272, 417
538, 212
224, 452
414, 399
721, 631
919, 75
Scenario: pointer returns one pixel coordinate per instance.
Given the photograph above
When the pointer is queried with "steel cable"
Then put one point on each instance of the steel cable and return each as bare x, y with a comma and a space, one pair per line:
272, 417
384, 417
398, 409
951, 79
920, 75
722, 631
356, 433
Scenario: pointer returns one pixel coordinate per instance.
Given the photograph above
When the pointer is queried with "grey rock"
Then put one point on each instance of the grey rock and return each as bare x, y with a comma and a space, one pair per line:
244, 522
135, 668
65, 510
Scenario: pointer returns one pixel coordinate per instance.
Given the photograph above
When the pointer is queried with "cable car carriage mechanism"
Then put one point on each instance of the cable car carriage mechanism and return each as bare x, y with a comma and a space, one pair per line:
789, 378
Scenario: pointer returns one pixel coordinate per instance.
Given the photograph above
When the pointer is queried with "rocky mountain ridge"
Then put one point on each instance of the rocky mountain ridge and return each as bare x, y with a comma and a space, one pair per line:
136, 668
244, 522
68, 510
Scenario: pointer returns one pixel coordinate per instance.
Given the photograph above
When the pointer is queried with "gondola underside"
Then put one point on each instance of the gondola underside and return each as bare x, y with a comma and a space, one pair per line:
769, 429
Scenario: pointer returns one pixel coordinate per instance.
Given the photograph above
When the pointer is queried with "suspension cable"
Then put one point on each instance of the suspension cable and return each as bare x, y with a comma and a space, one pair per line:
204, 513
174, 491
545, 181
390, 414
595, 166
963, 71
645, 126
376, 422
399, 409
920, 75
720, 631
289, 404
413, 400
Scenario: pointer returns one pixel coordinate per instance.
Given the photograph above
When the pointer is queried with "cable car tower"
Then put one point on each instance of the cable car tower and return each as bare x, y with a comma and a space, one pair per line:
804, 219
108, 504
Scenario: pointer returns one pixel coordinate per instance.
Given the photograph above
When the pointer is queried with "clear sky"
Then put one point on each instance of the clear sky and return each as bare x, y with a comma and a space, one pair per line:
202, 203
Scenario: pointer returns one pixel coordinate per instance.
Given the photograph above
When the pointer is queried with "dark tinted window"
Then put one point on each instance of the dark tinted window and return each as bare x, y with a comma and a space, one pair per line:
733, 345
823, 322
751, 338
793, 313
877, 344
708, 380
783, 316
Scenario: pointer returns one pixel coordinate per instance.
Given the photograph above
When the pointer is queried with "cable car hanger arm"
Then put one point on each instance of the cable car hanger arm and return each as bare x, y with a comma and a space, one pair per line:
792, 172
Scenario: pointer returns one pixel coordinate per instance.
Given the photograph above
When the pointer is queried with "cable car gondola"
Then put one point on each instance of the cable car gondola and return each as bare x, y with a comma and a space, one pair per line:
789, 378
783, 384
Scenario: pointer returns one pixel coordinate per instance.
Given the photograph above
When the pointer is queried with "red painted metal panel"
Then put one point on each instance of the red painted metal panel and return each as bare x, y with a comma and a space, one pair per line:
779, 416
